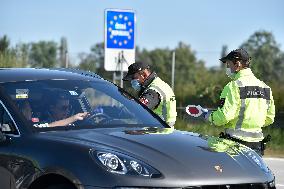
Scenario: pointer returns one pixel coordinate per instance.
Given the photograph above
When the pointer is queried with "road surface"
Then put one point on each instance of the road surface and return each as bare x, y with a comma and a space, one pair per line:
277, 167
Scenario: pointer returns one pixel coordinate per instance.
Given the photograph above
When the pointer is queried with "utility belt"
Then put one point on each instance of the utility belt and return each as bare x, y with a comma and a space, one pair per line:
261, 145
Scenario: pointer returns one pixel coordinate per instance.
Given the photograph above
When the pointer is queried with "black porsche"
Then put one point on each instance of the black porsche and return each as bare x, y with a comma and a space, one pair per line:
118, 143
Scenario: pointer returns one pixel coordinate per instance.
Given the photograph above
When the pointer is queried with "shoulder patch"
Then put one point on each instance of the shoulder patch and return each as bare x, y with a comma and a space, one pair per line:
144, 100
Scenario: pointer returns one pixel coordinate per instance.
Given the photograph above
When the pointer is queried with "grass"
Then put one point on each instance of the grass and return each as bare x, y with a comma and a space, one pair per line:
274, 148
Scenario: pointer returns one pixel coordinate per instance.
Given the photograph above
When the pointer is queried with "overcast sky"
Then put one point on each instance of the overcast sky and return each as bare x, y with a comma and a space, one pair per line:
204, 24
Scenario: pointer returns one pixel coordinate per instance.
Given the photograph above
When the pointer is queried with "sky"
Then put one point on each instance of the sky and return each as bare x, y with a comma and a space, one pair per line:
205, 25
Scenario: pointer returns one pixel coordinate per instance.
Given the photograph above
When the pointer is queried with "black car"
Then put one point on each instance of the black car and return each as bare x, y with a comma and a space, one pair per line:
67, 129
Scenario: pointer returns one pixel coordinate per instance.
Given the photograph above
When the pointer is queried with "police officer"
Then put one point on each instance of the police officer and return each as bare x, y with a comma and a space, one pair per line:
153, 92
246, 103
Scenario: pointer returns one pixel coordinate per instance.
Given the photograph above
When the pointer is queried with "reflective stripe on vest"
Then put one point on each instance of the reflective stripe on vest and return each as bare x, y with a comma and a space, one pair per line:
238, 133
268, 104
164, 106
267, 100
242, 109
247, 93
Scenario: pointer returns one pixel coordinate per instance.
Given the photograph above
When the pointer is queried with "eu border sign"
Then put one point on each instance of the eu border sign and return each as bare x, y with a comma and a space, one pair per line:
119, 39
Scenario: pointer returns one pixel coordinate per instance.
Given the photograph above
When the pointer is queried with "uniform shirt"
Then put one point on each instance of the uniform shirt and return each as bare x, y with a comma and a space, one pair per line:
246, 104
150, 98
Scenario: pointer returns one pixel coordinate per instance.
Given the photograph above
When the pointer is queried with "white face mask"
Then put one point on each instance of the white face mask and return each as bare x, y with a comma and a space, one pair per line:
229, 73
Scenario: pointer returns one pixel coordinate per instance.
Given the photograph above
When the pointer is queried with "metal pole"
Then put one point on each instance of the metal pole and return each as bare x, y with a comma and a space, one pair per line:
173, 69
66, 59
113, 77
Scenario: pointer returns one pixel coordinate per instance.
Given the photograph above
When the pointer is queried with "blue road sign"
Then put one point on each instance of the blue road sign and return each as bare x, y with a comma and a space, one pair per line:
120, 27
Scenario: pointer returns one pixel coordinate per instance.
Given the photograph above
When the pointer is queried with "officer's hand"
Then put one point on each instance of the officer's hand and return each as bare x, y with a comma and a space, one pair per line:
205, 113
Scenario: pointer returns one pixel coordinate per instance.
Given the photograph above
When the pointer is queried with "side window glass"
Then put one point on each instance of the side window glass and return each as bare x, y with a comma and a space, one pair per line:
97, 98
6, 123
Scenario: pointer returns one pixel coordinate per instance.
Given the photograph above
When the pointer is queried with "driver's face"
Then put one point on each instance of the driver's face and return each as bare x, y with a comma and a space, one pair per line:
61, 109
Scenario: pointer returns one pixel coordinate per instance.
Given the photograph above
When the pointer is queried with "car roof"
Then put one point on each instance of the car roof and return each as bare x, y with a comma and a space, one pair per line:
23, 74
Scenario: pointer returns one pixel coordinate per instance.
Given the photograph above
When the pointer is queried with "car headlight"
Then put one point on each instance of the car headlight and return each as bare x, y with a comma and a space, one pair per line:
254, 157
119, 163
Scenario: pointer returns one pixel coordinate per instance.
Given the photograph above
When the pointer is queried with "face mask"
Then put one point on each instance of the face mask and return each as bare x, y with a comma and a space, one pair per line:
229, 73
135, 84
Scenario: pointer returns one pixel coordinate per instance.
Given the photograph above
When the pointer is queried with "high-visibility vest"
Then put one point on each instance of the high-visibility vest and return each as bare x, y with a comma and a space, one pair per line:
247, 106
167, 107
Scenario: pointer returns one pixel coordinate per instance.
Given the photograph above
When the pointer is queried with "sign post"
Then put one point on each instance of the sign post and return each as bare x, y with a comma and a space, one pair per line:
119, 40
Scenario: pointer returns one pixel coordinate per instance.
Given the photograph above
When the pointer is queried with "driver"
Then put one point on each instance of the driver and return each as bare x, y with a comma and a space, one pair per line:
26, 109
58, 112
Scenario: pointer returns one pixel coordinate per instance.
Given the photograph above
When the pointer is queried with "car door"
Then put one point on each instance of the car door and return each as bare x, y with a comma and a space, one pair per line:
17, 168
6, 177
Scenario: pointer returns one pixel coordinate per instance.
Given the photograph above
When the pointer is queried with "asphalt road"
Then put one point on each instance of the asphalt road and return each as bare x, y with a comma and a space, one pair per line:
277, 167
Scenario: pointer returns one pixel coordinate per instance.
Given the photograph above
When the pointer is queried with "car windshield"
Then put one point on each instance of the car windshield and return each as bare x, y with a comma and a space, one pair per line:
78, 104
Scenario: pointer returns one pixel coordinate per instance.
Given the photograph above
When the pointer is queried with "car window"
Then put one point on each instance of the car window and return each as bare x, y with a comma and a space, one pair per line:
6, 123
98, 98
79, 104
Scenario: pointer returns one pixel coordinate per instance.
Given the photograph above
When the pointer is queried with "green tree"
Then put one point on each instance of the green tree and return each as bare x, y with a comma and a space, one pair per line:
4, 44
159, 60
87, 62
22, 52
63, 49
267, 59
190, 73
43, 54
94, 61
11, 57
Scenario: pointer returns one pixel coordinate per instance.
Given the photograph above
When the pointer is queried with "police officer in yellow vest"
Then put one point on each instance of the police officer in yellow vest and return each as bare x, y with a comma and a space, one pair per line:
153, 92
246, 103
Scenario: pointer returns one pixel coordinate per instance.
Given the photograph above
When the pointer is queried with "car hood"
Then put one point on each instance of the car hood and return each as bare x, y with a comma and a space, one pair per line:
183, 157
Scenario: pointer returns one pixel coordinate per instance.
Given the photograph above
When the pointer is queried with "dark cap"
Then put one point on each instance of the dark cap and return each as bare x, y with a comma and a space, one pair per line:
238, 54
134, 68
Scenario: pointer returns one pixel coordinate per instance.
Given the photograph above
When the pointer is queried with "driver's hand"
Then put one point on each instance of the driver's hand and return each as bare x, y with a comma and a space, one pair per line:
80, 116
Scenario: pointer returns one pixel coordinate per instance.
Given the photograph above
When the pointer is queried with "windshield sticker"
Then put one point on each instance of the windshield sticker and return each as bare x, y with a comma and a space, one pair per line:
73, 93
22, 93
